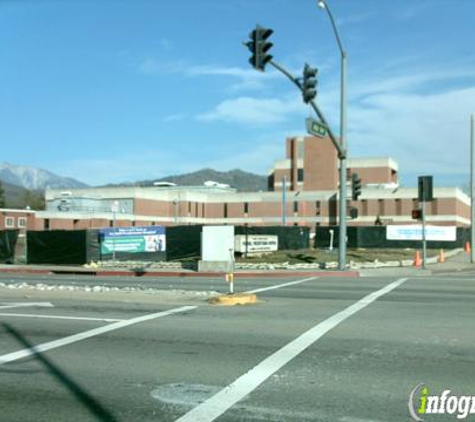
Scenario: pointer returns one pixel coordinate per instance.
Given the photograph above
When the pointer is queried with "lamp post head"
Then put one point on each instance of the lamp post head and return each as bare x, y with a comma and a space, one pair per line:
321, 4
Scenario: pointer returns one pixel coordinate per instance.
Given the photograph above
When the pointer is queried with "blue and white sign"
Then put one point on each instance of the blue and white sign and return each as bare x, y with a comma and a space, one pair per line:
133, 239
414, 232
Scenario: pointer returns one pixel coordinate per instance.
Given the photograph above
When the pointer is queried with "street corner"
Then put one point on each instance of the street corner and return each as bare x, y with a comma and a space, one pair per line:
235, 299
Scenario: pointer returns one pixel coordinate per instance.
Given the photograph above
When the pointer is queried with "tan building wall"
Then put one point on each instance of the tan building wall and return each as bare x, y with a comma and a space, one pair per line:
16, 219
375, 175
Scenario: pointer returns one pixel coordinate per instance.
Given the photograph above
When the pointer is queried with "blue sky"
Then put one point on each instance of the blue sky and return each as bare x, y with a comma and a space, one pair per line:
122, 90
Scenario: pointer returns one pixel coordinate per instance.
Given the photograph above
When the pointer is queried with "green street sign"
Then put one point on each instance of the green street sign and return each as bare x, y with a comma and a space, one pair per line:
316, 128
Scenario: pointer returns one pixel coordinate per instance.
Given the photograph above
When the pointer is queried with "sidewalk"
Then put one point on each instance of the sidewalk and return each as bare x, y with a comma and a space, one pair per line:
455, 264
458, 263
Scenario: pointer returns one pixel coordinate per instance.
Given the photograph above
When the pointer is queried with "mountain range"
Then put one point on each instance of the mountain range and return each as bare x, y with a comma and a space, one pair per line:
23, 185
34, 178
238, 179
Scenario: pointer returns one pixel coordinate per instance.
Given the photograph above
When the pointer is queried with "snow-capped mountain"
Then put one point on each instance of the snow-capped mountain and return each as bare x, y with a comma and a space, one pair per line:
34, 178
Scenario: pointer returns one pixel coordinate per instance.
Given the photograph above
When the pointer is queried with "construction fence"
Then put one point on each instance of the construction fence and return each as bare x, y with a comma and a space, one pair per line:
78, 247
8, 241
375, 237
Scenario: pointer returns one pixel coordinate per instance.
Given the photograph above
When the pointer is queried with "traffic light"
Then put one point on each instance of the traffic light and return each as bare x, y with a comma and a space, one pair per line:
259, 46
309, 83
355, 186
425, 190
416, 214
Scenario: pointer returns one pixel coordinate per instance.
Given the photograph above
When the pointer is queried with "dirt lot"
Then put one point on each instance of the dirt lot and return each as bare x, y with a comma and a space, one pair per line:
323, 255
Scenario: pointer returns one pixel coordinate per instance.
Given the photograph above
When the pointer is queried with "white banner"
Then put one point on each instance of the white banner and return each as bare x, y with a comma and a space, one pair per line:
414, 232
255, 243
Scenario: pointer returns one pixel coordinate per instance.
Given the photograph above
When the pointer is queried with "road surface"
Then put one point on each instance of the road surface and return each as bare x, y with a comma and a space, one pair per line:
313, 349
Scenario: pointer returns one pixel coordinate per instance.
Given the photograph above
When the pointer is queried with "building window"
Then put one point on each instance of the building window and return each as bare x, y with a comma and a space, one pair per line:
317, 208
9, 222
111, 223
299, 175
365, 206
203, 209
246, 207
398, 207
296, 206
300, 150
381, 207
225, 211
46, 224
21, 222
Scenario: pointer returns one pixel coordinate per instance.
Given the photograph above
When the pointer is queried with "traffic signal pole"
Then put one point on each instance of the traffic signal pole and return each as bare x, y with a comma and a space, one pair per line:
472, 192
424, 241
259, 47
314, 106
340, 146
343, 164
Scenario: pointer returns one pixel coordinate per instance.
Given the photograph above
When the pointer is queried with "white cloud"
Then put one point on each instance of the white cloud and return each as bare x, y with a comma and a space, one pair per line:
247, 78
256, 155
424, 132
175, 117
247, 110
153, 66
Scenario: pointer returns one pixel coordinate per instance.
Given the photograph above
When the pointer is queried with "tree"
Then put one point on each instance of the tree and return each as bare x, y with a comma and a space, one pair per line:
33, 199
2, 196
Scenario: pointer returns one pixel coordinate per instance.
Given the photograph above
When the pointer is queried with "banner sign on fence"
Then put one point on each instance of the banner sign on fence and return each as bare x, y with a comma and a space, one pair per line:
133, 239
255, 243
414, 232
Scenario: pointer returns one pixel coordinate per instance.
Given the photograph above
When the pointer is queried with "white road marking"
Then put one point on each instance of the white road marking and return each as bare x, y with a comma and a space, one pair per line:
61, 317
10, 357
278, 286
216, 405
8, 305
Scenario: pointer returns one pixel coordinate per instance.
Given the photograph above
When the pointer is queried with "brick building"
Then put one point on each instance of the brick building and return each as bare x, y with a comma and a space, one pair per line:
310, 176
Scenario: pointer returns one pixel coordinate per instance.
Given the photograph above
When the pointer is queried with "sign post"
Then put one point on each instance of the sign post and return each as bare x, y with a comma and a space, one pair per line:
115, 210
425, 194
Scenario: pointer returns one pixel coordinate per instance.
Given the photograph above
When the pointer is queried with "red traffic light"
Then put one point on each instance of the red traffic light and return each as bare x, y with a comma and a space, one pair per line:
416, 214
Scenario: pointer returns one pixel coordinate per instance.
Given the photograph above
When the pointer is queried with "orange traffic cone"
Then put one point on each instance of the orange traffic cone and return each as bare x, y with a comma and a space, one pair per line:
417, 260
467, 247
441, 257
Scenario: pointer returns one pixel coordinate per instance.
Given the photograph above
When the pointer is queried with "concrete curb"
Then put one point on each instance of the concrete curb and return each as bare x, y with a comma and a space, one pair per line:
234, 299
140, 273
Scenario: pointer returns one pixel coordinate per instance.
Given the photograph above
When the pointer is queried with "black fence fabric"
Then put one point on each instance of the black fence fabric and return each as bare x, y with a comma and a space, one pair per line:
8, 240
375, 237
61, 247
183, 242
93, 246
78, 247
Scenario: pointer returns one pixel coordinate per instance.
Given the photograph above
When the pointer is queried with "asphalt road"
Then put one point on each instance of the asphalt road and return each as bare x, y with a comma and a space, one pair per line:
137, 357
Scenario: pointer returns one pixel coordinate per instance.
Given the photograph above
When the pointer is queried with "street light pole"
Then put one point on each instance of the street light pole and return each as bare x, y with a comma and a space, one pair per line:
323, 4
472, 192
